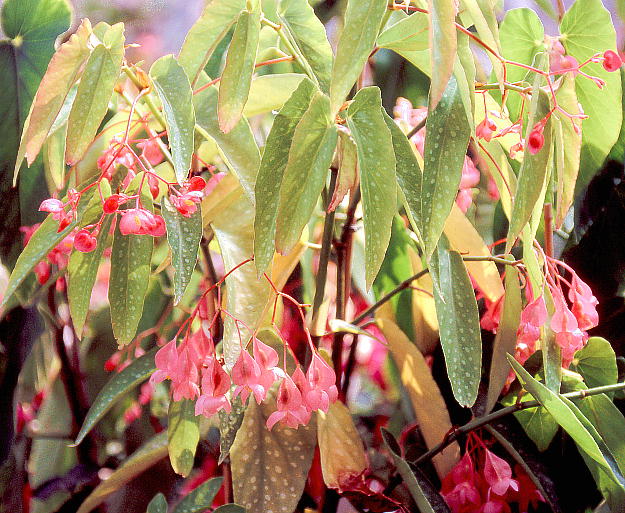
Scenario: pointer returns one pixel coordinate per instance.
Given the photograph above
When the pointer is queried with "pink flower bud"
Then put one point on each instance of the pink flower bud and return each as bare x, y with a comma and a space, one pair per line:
611, 61
51, 205
85, 242
535, 141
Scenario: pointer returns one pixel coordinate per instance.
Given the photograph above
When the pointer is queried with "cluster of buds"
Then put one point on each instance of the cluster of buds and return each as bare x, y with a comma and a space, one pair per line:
482, 482
196, 372
57, 257
569, 321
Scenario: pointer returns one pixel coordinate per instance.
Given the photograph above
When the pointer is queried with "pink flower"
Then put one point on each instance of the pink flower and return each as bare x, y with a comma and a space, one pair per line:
536, 139
166, 360
290, 408
564, 324
248, 376
583, 304
495, 505
267, 359
528, 493
185, 377
485, 129
322, 381
498, 474
492, 315
85, 242
611, 61
186, 203
463, 498
215, 385
151, 151
51, 205
533, 316
140, 221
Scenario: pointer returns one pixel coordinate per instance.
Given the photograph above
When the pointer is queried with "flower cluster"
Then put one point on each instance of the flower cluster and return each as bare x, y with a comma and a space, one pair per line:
58, 256
482, 482
197, 373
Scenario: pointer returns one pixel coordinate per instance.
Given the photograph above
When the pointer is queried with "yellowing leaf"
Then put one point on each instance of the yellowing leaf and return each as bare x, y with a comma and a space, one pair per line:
423, 308
426, 398
223, 195
464, 238
340, 447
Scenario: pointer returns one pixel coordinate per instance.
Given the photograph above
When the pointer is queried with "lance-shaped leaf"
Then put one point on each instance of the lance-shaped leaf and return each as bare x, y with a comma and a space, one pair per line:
425, 396
426, 497
446, 142
142, 459
116, 387
82, 271
158, 504
505, 339
309, 36
205, 35
443, 46
595, 452
269, 468
378, 184
200, 498
130, 275
531, 183
173, 89
229, 424
236, 78
247, 295
459, 322
587, 29
362, 24
46, 237
54, 88
271, 172
310, 157
183, 235
94, 93
238, 146
408, 172
341, 450
183, 434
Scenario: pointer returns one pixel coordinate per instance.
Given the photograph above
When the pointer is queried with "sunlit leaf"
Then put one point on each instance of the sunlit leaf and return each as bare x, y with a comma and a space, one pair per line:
446, 141
183, 434
376, 160
310, 157
271, 92
269, 468
142, 459
443, 46
94, 92
183, 235
205, 35
596, 362
459, 323
409, 34
173, 89
362, 23
236, 78
425, 396
271, 172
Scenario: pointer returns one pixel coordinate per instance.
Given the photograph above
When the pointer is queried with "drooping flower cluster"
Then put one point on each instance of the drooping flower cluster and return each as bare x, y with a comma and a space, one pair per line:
196, 372
482, 482
408, 118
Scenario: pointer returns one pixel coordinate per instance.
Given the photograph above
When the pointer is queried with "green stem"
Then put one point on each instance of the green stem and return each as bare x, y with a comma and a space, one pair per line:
487, 419
511, 87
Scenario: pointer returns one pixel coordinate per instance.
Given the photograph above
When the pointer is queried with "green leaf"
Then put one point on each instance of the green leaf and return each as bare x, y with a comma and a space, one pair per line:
446, 142
46, 237
362, 24
408, 172
173, 89
130, 275
238, 146
587, 29
596, 362
270, 92
410, 34
269, 468
443, 46
574, 423
505, 339
271, 172
32, 27
534, 169
116, 387
82, 271
142, 459
158, 504
205, 35
538, 423
200, 498
459, 322
94, 93
522, 39
347, 162
236, 78
183, 235
376, 160
230, 508
247, 296
426, 497
309, 36
183, 434
56, 84
310, 157
229, 424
